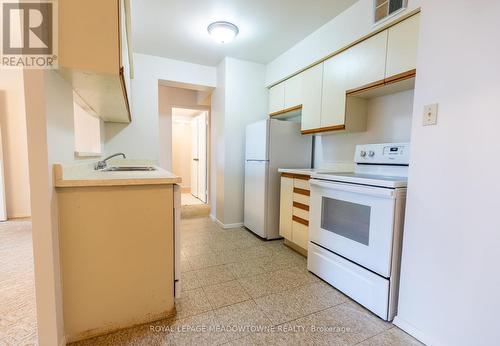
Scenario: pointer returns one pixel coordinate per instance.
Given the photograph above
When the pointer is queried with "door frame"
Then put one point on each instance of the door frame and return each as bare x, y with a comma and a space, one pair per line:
208, 146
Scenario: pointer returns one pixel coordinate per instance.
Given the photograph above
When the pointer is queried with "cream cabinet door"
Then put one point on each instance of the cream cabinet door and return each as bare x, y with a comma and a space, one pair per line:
300, 234
312, 84
293, 91
402, 46
334, 89
365, 61
286, 207
277, 98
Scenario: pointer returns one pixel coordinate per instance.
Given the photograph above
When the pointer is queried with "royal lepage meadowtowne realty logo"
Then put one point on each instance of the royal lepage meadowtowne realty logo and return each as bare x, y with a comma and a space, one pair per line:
28, 34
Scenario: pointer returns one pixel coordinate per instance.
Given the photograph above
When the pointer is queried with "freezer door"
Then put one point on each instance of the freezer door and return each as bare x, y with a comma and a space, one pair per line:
255, 197
257, 141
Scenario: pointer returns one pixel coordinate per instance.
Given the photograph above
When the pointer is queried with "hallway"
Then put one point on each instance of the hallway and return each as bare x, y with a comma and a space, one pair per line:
239, 289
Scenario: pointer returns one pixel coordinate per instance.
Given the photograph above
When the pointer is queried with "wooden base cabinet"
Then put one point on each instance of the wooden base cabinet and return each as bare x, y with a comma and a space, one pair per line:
117, 257
294, 210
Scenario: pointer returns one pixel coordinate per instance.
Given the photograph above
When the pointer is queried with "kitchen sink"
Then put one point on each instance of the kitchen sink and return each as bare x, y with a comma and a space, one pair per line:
129, 169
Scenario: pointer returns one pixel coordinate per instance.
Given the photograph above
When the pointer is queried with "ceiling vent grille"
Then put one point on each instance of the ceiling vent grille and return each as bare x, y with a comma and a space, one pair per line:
384, 9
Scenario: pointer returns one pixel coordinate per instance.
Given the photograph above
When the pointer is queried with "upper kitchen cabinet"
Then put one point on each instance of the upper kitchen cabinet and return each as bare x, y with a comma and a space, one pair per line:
285, 98
365, 62
293, 92
277, 98
312, 84
402, 47
95, 55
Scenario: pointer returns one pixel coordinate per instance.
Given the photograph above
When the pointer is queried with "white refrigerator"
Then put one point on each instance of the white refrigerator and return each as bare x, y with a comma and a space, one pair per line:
270, 144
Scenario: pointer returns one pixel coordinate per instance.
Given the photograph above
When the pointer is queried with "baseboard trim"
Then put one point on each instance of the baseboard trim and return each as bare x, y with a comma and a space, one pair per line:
227, 225
414, 331
18, 216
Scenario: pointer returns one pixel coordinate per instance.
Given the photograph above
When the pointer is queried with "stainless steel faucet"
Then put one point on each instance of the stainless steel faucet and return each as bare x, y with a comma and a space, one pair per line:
103, 164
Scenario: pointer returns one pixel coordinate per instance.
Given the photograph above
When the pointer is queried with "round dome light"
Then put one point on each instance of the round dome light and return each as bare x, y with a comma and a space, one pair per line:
223, 32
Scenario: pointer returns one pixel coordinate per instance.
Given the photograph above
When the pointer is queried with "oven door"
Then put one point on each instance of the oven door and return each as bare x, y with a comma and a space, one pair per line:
354, 221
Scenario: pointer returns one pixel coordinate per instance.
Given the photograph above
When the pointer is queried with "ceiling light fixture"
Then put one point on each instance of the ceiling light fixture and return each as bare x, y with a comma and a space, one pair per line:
222, 32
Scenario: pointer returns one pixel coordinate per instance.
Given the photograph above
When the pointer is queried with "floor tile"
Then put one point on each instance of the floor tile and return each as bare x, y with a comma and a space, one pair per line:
344, 324
227, 293
241, 319
192, 303
392, 337
299, 302
213, 275
249, 267
276, 281
189, 281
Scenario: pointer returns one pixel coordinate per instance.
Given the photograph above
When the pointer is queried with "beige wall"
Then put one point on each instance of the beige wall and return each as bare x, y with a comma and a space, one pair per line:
181, 149
240, 99
14, 141
168, 98
49, 119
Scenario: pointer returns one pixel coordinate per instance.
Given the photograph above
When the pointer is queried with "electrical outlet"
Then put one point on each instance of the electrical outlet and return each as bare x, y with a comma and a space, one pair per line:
430, 114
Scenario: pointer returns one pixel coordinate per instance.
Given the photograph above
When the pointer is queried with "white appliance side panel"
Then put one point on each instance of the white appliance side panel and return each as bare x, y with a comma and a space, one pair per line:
368, 289
287, 149
255, 197
256, 137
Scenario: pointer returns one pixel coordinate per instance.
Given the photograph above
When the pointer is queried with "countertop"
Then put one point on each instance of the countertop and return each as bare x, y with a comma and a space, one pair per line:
81, 175
335, 167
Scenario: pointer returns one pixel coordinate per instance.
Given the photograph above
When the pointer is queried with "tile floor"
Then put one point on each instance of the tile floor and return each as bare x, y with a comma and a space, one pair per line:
189, 199
241, 290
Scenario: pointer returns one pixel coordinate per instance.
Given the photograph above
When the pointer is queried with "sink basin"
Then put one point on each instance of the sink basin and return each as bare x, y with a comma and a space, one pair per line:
129, 169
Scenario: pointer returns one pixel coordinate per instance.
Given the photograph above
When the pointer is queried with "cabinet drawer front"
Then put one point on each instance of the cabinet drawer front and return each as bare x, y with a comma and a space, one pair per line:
301, 198
300, 234
301, 184
303, 214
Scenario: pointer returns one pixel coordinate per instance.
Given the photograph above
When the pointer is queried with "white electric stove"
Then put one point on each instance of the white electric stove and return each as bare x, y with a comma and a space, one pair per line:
356, 226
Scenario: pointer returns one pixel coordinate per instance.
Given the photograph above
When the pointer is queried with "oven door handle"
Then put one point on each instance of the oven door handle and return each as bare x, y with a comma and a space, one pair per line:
359, 189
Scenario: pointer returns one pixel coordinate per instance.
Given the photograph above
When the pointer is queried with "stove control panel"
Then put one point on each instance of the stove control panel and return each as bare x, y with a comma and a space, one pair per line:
383, 154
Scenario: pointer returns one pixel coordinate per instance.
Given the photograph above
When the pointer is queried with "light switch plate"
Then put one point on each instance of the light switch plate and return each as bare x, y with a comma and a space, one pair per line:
430, 114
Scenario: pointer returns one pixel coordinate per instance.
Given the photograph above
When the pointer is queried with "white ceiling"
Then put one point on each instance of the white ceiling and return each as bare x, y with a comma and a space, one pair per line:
177, 29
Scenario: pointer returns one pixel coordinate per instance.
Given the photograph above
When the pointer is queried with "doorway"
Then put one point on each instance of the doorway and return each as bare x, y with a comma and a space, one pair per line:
189, 153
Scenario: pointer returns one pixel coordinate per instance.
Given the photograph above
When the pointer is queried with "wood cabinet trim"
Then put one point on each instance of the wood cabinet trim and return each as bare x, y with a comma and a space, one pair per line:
401, 76
295, 176
365, 87
300, 220
390, 80
361, 39
286, 110
301, 206
324, 129
301, 191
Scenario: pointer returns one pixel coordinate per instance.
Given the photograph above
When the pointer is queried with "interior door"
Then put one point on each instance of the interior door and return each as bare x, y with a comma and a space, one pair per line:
194, 157
202, 157
255, 196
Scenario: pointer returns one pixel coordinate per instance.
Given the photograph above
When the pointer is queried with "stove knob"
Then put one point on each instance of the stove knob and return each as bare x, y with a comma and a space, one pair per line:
371, 153
362, 153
